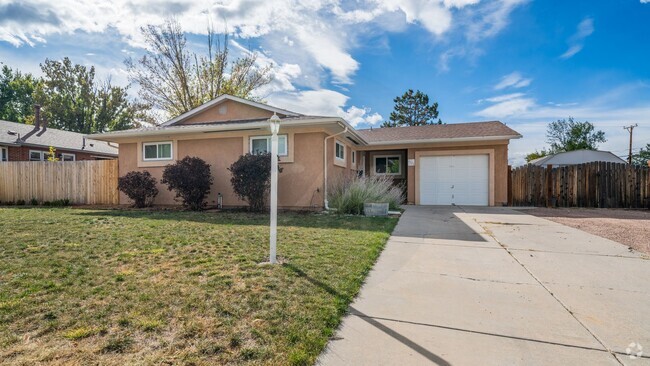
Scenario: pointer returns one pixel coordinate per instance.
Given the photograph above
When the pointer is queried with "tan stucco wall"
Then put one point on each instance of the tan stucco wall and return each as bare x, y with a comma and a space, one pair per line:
300, 183
228, 111
335, 167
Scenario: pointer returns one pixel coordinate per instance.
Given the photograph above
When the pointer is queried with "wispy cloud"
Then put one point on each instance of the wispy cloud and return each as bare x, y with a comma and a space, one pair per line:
608, 111
512, 80
506, 105
577, 40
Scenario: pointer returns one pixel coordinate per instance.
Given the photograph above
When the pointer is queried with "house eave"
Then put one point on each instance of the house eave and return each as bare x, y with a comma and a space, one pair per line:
444, 140
229, 127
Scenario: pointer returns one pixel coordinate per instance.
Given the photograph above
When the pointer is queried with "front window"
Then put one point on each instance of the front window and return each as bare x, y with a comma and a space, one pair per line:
37, 155
340, 151
354, 157
157, 150
4, 154
262, 145
67, 157
388, 165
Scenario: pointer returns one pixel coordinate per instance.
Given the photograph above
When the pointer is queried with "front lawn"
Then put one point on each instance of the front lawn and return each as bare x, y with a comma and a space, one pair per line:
126, 287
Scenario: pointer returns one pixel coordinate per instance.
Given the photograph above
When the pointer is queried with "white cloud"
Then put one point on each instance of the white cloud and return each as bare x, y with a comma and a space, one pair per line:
476, 23
325, 102
502, 98
318, 32
357, 116
506, 106
571, 51
488, 20
576, 41
512, 80
608, 112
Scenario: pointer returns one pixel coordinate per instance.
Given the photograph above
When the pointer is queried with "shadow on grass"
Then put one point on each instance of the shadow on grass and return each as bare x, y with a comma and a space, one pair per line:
297, 219
388, 331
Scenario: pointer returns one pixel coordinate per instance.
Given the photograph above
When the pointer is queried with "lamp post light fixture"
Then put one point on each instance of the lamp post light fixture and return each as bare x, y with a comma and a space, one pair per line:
274, 121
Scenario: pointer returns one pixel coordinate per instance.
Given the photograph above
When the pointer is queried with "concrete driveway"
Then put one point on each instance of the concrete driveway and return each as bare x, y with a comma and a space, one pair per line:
494, 286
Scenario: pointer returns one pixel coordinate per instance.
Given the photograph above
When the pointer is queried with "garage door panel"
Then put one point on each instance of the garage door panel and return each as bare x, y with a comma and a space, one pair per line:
454, 179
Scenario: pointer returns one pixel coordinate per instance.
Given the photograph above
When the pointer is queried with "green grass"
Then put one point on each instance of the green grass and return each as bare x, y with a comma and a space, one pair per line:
133, 287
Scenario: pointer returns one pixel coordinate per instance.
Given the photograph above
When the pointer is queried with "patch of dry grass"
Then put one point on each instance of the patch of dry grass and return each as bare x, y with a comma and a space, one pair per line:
126, 287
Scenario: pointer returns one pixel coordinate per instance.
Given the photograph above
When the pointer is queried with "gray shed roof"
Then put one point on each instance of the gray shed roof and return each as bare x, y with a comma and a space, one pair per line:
577, 157
20, 134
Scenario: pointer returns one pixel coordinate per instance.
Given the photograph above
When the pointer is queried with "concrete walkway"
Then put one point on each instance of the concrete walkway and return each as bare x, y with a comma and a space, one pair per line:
494, 286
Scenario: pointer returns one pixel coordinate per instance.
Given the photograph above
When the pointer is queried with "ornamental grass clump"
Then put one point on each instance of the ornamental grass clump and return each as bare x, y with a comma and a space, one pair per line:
348, 193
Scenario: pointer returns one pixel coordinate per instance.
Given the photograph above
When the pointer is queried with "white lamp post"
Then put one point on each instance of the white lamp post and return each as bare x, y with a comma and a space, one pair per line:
275, 128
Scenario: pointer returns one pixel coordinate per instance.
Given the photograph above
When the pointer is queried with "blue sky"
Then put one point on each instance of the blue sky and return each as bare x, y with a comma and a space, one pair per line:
526, 63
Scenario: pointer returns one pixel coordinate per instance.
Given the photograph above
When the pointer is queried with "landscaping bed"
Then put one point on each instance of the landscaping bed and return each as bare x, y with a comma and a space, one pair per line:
123, 287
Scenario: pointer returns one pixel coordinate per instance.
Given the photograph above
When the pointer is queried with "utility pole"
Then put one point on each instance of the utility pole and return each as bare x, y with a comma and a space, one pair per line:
630, 128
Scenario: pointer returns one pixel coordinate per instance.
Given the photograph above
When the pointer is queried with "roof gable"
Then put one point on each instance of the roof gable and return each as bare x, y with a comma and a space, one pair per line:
228, 108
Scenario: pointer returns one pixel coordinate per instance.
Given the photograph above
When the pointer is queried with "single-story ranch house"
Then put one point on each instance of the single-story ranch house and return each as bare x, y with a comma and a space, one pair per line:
464, 163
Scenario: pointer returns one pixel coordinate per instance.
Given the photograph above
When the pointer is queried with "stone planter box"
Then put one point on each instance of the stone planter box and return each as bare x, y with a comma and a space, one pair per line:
375, 209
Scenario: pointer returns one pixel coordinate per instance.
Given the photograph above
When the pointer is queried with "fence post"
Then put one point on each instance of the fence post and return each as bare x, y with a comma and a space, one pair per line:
549, 186
510, 185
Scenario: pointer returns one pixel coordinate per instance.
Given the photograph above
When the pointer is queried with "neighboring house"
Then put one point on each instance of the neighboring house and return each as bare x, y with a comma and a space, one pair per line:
465, 163
21, 142
577, 157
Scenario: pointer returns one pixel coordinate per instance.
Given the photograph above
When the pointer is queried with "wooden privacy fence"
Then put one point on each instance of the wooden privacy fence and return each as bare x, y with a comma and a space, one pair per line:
91, 182
595, 184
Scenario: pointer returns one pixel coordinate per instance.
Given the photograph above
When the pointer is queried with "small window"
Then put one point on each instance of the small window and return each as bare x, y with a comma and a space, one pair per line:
354, 157
37, 155
388, 165
157, 150
67, 157
262, 145
4, 154
340, 151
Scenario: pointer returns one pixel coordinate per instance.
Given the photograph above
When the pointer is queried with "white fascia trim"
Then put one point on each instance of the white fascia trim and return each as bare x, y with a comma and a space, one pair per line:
223, 97
454, 139
111, 136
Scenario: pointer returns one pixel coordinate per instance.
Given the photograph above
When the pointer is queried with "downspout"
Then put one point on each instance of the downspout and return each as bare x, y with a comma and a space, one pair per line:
327, 207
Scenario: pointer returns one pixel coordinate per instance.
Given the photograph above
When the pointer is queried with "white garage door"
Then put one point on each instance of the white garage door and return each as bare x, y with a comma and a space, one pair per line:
454, 179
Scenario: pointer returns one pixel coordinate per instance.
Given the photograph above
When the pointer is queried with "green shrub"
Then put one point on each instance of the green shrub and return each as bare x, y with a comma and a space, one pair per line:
251, 179
21, 203
33, 202
60, 203
138, 186
191, 179
348, 193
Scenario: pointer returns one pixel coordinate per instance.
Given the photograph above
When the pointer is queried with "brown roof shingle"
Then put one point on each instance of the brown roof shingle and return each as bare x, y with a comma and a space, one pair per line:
434, 132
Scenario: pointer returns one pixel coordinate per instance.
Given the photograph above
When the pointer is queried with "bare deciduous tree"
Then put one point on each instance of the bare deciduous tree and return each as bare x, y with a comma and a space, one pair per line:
174, 79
